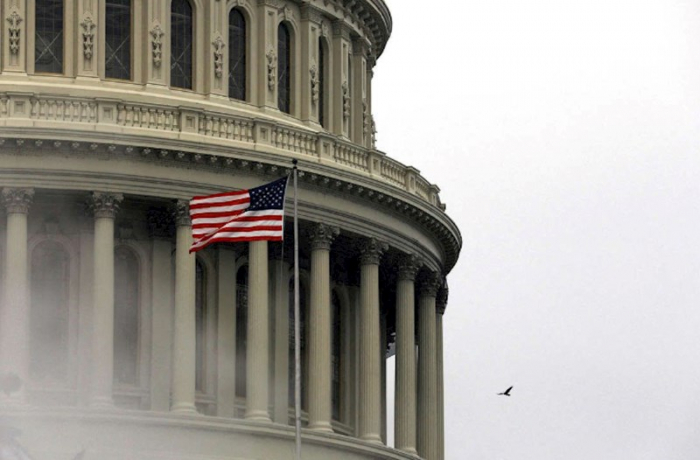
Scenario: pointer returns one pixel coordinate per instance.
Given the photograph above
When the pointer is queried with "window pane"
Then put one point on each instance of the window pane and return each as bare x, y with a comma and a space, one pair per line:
181, 44
126, 317
118, 39
236, 55
49, 313
284, 45
48, 50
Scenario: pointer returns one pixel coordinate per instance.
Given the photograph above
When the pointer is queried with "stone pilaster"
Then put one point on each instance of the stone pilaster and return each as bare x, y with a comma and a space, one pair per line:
320, 404
405, 395
104, 207
427, 369
257, 361
441, 303
267, 54
87, 44
359, 103
342, 81
184, 331
370, 368
14, 328
14, 36
310, 75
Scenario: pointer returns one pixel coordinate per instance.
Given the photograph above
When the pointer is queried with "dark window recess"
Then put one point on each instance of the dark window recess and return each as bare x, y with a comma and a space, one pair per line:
48, 50
284, 81
118, 39
236, 55
181, 44
321, 84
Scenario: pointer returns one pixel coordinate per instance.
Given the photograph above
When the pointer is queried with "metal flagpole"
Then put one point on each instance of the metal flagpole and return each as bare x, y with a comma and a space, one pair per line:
297, 339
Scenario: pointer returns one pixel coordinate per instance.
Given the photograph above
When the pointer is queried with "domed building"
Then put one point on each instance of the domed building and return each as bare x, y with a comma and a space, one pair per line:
113, 115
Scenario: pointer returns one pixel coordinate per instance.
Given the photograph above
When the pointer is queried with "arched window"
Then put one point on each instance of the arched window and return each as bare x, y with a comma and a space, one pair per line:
48, 49
118, 39
126, 317
200, 306
284, 65
236, 55
336, 344
241, 329
181, 33
49, 314
302, 335
322, 72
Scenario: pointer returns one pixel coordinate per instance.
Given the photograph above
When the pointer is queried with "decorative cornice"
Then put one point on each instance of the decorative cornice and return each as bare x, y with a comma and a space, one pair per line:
322, 235
103, 204
17, 200
371, 251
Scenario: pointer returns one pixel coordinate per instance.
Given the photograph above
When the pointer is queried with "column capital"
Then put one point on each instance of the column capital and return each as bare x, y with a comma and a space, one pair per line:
104, 204
322, 235
182, 213
441, 299
371, 251
409, 264
430, 284
17, 200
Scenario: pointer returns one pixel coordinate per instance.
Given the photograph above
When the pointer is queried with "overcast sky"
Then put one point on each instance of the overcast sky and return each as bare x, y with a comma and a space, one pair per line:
565, 136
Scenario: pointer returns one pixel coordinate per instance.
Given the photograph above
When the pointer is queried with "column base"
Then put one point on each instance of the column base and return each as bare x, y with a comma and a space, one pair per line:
184, 408
372, 437
258, 416
322, 427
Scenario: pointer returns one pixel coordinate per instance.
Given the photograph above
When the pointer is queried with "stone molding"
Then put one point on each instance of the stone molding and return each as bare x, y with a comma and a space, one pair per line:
104, 204
17, 200
322, 236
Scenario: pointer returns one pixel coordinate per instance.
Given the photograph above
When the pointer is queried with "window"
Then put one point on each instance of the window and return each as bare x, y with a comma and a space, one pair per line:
336, 343
118, 39
126, 317
181, 44
236, 55
48, 51
49, 314
302, 335
200, 326
241, 329
321, 82
284, 82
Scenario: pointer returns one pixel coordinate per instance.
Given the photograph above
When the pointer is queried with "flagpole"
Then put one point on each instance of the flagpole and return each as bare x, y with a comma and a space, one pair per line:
297, 333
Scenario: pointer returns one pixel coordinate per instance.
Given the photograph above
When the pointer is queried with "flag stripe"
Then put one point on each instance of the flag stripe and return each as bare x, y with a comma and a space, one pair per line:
219, 197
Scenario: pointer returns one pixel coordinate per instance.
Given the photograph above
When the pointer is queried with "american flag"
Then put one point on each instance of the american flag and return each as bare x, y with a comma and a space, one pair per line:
247, 215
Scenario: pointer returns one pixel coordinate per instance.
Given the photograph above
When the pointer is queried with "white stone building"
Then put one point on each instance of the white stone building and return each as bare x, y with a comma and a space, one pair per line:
114, 113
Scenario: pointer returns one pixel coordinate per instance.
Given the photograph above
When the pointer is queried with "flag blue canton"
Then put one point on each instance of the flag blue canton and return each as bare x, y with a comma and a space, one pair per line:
269, 196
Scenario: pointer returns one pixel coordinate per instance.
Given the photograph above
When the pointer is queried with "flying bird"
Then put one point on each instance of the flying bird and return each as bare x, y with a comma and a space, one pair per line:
507, 392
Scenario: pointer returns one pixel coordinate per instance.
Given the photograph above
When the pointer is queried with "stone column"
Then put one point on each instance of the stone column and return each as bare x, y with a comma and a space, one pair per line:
226, 333
427, 369
14, 328
184, 330
370, 368
320, 404
441, 302
104, 207
280, 275
405, 395
257, 361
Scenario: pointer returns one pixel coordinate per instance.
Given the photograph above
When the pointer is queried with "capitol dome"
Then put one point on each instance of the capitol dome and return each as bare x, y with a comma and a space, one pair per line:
113, 115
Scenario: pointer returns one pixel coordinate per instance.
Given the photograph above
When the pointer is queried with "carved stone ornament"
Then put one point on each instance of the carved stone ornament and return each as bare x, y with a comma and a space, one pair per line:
271, 68
182, 213
371, 251
157, 44
441, 299
322, 235
315, 83
105, 204
346, 99
88, 26
17, 200
430, 284
15, 20
325, 32
219, 46
286, 13
374, 132
409, 264
366, 122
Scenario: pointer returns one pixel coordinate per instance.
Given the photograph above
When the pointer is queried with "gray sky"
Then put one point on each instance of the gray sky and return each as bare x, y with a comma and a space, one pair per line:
565, 136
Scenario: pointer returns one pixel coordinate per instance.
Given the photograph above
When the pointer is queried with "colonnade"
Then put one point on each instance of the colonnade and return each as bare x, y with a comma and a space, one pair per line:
419, 380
